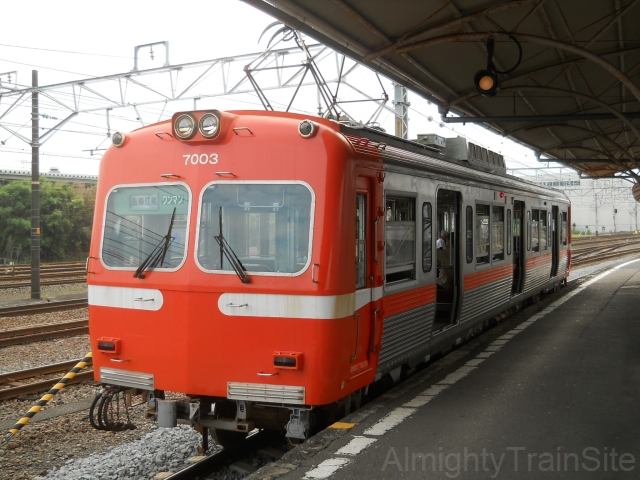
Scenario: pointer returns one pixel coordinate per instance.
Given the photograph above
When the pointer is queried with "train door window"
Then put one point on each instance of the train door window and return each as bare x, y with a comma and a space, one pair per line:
542, 226
482, 234
427, 240
535, 231
400, 238
469, 234
361, 241
564, 228
528, 230
137, 221
509, 234
497, 233
266, 226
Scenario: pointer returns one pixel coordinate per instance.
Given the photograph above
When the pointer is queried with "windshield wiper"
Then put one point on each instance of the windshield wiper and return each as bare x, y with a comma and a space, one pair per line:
158, 253
228, 252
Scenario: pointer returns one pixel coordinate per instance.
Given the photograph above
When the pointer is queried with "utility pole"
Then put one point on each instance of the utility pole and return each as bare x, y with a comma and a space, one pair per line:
402, 104
35, 189
596, 212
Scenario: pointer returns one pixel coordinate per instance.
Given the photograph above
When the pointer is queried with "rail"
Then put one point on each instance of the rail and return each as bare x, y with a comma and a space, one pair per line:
39, 333
44, 307
220, 459
16, 390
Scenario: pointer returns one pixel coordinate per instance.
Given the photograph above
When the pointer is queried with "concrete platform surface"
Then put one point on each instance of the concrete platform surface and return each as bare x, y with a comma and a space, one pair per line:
551, 393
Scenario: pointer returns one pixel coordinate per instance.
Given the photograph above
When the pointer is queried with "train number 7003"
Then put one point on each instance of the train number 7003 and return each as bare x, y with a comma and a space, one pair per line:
202, 159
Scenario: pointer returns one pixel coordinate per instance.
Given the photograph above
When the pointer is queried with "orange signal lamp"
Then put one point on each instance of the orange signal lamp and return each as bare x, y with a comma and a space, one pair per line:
486, 83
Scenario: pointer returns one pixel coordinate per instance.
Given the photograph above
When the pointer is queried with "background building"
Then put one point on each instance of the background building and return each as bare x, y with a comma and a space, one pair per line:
605, 205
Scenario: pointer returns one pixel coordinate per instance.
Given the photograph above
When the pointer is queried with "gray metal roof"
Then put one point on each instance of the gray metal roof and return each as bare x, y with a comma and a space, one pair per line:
574, 95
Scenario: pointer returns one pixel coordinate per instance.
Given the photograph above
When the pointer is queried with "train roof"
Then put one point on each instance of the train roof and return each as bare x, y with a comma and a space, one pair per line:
410, 153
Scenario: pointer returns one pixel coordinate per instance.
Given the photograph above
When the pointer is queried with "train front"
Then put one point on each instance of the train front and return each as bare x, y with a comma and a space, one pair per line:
214, 272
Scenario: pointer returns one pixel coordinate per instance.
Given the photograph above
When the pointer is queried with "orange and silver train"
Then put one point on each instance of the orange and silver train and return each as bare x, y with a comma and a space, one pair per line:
268, 265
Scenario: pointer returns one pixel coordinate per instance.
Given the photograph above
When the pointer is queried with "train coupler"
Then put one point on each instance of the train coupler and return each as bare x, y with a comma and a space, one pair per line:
299, 426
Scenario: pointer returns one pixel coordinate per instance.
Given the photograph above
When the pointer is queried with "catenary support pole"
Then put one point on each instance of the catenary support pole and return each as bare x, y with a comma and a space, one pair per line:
35, 188
402, 104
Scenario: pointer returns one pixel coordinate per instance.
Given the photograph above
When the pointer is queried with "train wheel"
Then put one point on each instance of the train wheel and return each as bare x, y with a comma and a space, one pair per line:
230, 440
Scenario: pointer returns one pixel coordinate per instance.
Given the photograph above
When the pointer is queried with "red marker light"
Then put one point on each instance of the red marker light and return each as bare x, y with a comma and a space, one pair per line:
501, 195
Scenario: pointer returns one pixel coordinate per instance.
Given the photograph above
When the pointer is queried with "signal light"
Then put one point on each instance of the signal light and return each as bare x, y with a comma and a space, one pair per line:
118, 139
287, 360
209, 125
185, 126
307, 128
109, 345
284, 362
486, 83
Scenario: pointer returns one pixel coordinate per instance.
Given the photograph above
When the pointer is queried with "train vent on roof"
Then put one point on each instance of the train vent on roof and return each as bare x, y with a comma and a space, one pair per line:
432, 140
462, 149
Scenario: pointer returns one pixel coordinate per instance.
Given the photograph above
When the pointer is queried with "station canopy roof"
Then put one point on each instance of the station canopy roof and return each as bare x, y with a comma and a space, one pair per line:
572, 96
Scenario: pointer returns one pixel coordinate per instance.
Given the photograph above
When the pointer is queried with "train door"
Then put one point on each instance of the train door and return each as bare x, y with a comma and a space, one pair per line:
554, 239
366, 317
518, 250
447, 258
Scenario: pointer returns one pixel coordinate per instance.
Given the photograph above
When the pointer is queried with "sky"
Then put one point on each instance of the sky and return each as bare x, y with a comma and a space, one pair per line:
72, 40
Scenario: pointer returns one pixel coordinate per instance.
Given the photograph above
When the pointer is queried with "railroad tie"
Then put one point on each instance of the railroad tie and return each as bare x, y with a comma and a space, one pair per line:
87, 360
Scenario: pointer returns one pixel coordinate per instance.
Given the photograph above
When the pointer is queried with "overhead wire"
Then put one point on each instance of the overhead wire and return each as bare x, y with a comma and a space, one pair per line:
68, 51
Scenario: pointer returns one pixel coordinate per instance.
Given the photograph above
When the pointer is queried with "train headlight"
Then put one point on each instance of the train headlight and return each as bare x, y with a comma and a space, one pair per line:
185, 126
118, 139
209, 125
307, 128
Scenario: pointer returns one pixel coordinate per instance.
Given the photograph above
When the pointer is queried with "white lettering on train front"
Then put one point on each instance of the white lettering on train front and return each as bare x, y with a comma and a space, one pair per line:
202, 159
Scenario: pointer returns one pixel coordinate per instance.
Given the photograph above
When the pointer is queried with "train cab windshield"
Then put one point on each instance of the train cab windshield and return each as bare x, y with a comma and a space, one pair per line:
267, 226
137, 221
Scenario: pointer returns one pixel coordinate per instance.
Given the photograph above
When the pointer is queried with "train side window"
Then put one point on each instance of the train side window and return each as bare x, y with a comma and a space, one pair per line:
400, 238
482, 234
543, 230
497, 233
564, 228
427, 239
361, 241
469, 234
509, 234
528, 230
535, 233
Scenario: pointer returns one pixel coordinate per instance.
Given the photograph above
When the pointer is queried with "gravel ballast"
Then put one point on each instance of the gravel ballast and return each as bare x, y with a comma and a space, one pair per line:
161, 450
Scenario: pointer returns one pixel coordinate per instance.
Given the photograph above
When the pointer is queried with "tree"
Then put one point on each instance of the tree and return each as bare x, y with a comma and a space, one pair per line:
66, 214
15, 219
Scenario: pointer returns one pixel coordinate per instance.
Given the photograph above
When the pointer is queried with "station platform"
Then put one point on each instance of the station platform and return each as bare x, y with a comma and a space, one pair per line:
552, 392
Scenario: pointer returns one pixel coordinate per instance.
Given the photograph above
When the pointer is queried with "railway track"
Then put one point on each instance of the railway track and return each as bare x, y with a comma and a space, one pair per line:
43, 307
224, 458
38, 333
16, 389
17, 276
7, 285
596, 257
47, 274
12, 270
